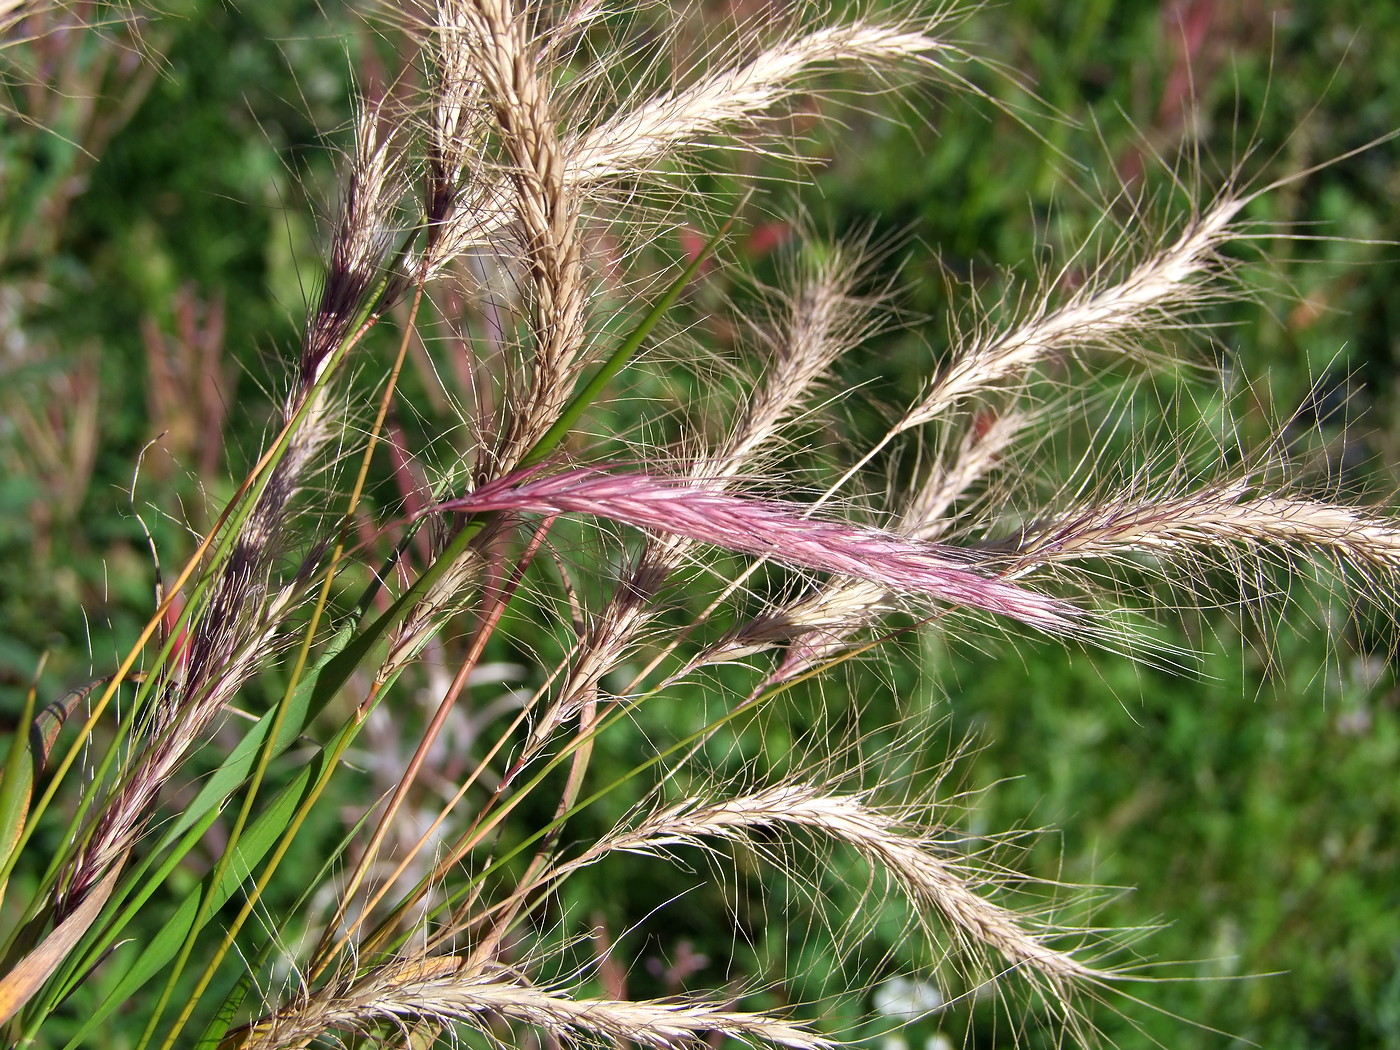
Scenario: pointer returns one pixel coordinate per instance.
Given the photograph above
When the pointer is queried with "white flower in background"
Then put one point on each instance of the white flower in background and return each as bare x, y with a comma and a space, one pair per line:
905, 998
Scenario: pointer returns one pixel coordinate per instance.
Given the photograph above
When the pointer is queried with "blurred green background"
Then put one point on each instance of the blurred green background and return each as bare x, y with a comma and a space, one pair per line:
159, 205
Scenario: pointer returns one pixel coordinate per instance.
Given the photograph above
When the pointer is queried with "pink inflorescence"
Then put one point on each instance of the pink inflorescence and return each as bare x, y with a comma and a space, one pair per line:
770, 529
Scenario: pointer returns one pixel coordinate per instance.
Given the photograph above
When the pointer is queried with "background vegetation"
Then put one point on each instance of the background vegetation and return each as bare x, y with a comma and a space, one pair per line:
156, 215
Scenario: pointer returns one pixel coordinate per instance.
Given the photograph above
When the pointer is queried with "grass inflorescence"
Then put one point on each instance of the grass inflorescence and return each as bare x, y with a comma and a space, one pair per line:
526, 561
